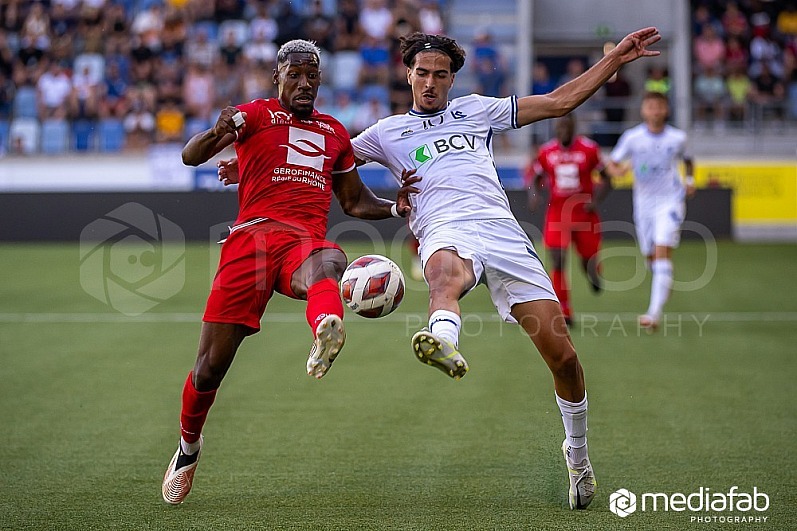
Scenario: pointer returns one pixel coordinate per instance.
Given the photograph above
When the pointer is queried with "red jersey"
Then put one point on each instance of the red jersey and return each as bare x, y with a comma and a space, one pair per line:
286, 165
568, 170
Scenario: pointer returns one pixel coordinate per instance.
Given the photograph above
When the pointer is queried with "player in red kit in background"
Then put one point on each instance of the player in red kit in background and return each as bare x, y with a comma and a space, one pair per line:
291, 159
565, 166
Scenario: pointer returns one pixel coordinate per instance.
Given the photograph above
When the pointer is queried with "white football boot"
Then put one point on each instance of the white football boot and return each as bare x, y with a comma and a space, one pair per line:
180, 475
329, 339
582, 481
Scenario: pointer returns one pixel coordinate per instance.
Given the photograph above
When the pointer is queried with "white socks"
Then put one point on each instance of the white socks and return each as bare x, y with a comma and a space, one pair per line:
189, 448
574, 418
660, 287
446, 325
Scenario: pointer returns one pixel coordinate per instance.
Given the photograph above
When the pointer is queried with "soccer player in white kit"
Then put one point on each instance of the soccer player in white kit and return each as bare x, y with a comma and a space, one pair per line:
467, 232
655, 150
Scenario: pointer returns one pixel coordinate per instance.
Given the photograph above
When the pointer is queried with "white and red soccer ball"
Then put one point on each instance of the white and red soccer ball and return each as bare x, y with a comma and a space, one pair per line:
372, 286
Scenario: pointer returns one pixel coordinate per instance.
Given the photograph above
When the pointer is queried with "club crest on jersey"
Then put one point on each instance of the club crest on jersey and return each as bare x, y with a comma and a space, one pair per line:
406, 132
305, 148
280, 117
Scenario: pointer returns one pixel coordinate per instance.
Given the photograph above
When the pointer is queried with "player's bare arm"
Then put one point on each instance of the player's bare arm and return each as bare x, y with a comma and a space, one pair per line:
203, 146
600, 191
572, 94
357, 200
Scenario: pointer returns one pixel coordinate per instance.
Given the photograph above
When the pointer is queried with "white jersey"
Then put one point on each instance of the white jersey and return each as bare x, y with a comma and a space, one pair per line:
452, 151
654, 159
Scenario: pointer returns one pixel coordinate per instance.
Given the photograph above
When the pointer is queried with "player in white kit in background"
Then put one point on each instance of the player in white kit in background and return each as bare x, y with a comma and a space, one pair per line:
655, 150
461, 215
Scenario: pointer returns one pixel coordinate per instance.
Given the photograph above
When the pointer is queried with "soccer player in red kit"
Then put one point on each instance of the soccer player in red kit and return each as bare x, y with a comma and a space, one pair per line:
291, 159
565, 165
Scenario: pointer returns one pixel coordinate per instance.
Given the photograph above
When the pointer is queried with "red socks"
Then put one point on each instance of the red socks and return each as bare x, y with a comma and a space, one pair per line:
196, 405
323, 298
562, 291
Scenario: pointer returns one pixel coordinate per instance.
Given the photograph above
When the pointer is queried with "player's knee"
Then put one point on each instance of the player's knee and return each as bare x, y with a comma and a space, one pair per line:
564, 363
207, 373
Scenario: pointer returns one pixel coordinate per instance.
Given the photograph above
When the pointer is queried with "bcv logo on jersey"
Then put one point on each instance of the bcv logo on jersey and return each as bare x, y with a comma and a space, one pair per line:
306, 148
456, 142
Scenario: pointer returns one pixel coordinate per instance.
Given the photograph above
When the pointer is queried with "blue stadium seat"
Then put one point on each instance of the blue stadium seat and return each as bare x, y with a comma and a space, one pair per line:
194, 126
25, 103
83, 135
111, 134
4, 127
55, 136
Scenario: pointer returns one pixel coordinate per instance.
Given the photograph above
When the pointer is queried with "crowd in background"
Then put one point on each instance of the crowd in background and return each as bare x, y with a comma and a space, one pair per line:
108, 75
744, 60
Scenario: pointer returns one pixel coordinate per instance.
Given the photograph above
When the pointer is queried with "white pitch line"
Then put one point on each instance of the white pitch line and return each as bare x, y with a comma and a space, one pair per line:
600, 317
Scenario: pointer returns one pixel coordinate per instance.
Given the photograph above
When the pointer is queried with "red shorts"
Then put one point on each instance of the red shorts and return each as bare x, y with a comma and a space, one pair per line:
567, 222
256, 261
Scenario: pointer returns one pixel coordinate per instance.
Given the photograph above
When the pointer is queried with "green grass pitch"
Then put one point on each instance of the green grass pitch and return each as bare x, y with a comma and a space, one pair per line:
90, 398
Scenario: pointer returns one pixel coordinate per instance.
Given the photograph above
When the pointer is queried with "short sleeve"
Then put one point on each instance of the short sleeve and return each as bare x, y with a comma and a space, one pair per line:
501, 112
368, 147
345, 161
254, 117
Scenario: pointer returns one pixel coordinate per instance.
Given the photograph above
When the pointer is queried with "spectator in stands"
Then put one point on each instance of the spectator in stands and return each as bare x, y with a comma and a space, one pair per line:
115, 25
734, 22
84, 101
488, 65
36, 27
6, 56
369, 113
709, 49
318, 27
399, 91
657, 80
768, 92
764, 50
376, 19
735, 54
710, 95
263, 24
169, 122
139, 123
345, 110
53, 90
738, 86
703, 17
199, 92
200, 50
289, 23
375, 66
542, 82
786, 22
430, 18
348, 31
113, 99
230, 51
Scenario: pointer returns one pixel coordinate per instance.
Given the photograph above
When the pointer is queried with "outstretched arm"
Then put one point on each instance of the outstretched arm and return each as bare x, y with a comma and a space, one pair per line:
203, 146
573, 93
359, 201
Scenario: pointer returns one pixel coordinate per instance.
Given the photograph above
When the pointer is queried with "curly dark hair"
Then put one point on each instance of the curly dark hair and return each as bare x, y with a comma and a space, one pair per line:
412, 44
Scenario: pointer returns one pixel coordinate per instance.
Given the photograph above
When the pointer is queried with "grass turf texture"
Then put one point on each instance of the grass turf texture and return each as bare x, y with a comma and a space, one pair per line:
90, 409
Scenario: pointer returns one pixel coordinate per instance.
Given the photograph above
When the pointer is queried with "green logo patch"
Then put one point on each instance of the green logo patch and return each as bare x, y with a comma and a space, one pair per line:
421, 155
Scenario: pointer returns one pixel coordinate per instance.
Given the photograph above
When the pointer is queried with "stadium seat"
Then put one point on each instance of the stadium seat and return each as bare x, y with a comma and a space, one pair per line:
4, 126
25, 103
111, 134
55, 136
83, 135
194, 126
23, 135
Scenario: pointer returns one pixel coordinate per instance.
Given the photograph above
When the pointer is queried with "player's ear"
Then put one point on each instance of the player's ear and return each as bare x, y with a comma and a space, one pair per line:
276, 77
409, 81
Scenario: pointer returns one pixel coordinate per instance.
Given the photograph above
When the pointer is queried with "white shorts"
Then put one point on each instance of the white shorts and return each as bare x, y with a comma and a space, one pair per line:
503, 258
660, 225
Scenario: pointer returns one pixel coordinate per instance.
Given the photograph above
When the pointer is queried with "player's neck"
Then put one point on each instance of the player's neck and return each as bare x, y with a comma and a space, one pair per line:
655, 129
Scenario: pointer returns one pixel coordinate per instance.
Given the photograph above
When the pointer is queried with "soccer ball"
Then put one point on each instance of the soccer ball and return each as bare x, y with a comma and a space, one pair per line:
372, 286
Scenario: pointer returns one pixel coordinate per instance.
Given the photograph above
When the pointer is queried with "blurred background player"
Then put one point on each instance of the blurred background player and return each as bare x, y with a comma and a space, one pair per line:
466, 229
565, 166
291, 160
655, 150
